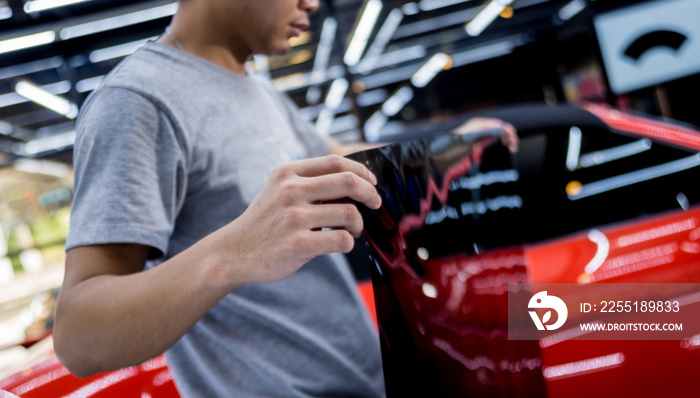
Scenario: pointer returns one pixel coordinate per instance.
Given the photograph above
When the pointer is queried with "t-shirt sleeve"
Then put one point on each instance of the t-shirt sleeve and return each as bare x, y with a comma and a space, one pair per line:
130, 173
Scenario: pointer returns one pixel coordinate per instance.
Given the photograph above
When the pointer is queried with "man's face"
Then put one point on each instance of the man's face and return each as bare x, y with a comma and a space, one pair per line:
265, 26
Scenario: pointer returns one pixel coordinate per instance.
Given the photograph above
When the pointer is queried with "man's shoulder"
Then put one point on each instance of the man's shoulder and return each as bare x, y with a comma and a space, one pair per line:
148, 70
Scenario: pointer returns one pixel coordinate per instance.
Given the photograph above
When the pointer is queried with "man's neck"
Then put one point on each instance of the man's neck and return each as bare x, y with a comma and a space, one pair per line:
190, 34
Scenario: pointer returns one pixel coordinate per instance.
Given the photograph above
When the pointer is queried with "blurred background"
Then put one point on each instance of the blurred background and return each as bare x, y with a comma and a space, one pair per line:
371, 70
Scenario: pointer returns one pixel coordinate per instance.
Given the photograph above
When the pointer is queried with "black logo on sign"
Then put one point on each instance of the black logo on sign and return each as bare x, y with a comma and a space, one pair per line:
658, 38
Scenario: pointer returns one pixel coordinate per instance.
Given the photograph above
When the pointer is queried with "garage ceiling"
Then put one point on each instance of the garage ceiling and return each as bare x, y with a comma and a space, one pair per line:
84, 40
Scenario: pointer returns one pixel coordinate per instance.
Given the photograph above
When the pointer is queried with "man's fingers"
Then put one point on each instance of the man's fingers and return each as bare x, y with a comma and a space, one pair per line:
330, 241
509, 137
331, 164
331, 187
344, 216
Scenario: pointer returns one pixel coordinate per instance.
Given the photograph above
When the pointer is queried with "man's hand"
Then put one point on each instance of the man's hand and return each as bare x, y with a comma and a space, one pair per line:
302, 212
509, 136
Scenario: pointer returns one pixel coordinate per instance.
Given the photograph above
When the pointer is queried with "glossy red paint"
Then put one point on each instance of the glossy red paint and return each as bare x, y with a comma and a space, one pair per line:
660, 249
51, 379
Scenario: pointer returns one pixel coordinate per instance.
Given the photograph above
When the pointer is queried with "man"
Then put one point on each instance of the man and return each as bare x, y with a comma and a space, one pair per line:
186, 162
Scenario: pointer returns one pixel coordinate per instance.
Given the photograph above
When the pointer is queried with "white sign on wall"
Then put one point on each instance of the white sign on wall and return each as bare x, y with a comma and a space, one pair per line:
650, 43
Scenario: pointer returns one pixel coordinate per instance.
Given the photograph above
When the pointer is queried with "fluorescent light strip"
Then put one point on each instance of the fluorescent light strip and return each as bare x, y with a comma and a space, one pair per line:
118, 51
323, 56
396, 102
443, 21
620, 152
336, 93
374, 125
486, 16
571, 9
312, 112
5, 13
429, 5
90, 84
325, 45
391, 58
30, 67
52, 143
430, 69
386, 32
362, 32
343, 124
574, 150
6, 128
390, 76
634, 177
14, 98
28, 41
410, 9
371, 97
106, 24
42, 5
324, 121
482, 53
47, 99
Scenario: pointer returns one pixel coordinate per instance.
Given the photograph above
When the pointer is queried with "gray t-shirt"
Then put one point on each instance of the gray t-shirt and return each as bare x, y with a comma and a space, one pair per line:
170, 148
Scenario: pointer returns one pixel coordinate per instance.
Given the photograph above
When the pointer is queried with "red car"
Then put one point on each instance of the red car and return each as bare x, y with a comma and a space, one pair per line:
452, 233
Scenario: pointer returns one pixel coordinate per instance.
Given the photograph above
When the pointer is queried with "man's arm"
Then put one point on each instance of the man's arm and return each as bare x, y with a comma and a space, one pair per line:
110, 315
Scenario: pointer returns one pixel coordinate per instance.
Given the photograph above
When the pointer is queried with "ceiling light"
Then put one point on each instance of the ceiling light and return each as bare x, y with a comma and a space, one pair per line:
430, 69
44, 98
323, 56
89, 84
574, 151
5, 12
390, 58
386, 32
22, 42
396, 102
428, 5
46, 144
486, 16
571, 9
336, 93
111, 23
485, 52
374, 125
41, 5
441, 22
363, 30
30, 67
410, 8
13, 98
118, 51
